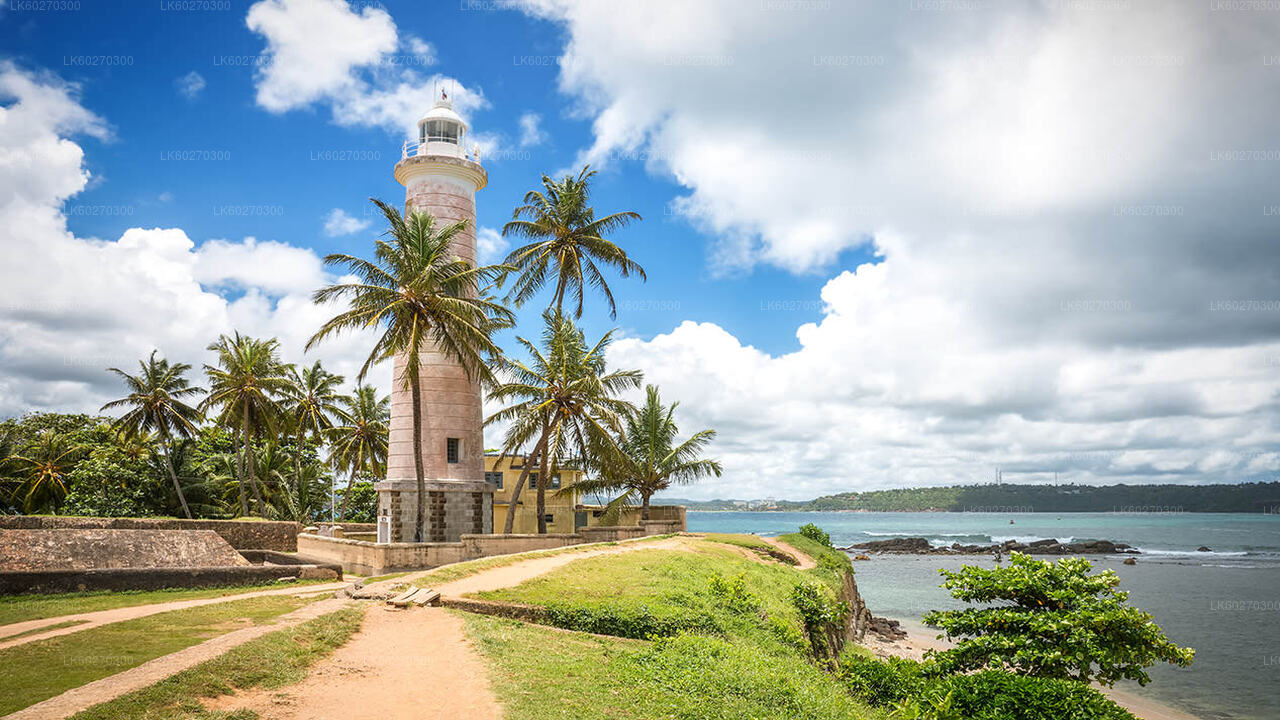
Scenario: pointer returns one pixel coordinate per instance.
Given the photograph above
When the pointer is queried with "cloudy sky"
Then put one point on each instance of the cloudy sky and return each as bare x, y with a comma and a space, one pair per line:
889, 243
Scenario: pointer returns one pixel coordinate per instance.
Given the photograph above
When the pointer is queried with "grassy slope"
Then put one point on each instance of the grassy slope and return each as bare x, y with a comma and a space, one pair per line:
457, 571
749, 661
41, 669
271, 661
19, 608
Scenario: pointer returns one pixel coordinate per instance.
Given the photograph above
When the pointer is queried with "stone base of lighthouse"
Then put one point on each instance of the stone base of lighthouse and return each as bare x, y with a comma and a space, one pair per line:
453, 508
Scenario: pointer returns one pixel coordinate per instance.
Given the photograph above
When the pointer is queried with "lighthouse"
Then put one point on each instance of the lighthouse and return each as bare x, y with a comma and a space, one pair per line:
440, 177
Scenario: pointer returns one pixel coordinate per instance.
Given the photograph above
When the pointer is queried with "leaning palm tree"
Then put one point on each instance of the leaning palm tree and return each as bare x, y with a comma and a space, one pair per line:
422, 296
651, 460
568, 240
359, 445
42, 470
246, 386
156, 403
313, 402
565, 403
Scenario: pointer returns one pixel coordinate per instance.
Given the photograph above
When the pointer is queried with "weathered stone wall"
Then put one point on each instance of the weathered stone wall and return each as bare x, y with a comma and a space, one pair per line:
239, 534
64, 581
78, 549
367, 558
453, 509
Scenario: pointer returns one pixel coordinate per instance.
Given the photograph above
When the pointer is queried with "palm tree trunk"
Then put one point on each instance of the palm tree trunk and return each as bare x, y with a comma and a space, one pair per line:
244, 503
644, 508
346, 496
164, 443
419, 472
542, 494
524, 477
248, 454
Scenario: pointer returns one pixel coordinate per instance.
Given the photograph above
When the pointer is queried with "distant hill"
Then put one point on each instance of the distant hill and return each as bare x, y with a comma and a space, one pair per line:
1244, 498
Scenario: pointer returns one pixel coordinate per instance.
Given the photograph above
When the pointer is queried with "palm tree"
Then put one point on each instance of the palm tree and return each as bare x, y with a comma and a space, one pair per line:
156, 403
313, 403
565, 399
359, 446
43, 470
246, 386
651, 460
422, 296
568, 240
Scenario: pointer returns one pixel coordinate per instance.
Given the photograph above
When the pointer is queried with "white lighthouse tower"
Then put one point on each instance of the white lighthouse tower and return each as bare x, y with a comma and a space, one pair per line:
440, 177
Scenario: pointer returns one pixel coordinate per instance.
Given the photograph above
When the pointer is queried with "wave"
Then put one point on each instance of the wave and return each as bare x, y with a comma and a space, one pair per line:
1192, 553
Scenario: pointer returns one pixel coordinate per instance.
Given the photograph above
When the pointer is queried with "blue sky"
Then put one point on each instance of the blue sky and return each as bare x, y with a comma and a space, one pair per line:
888, 244
292, 168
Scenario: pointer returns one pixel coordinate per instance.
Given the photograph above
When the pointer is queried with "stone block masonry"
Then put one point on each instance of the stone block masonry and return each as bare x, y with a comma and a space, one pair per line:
63, 549
453, 508
239, 534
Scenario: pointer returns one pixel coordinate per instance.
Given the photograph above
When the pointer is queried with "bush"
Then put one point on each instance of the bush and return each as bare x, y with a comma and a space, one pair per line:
816, 534
987, 695
823, 615
733, 593
1052, 620
628, 621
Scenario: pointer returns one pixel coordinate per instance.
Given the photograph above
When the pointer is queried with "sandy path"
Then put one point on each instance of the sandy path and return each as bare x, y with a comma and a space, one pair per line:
149, 673
114, 615
405, 664
806, 562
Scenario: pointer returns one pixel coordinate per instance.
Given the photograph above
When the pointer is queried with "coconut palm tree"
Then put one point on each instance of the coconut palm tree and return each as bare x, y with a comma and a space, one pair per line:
246, 387
421, 296
312, 404
565, 403
568, 240
157, 403
359, 445
42, 470
651, 460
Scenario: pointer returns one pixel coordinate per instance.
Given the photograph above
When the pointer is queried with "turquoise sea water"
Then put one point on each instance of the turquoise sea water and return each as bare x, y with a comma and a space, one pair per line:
1224, 603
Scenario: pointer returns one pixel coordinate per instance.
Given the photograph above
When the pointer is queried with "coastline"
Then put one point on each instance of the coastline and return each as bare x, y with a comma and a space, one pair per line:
920, 639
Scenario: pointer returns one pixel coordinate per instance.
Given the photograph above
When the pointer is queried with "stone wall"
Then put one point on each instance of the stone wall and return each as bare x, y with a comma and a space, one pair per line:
239, 534
80, 549
454, 509
65, 581
367, 558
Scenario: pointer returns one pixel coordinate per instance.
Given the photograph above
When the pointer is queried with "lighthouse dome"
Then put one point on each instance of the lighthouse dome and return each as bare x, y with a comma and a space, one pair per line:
441, 123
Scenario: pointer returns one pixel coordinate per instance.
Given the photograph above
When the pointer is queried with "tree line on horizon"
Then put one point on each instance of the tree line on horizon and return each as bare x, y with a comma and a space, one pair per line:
265, 437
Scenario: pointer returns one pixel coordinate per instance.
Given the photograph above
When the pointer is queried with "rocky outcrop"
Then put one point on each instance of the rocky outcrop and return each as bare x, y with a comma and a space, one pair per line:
921, 546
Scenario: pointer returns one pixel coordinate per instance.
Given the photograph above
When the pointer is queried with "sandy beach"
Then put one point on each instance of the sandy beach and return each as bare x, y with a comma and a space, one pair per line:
921, 639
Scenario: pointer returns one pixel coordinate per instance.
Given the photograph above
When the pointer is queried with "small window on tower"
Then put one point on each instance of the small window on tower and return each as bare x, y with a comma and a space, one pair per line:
451, 450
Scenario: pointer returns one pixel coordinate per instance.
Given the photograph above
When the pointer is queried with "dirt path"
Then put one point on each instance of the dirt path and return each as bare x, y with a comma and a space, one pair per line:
149, 673
114, 615
806, 562
405, 664
412, 663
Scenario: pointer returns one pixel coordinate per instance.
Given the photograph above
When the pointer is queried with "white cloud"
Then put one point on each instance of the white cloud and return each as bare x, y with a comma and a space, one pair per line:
1057, 204
324, 52
491, 247
71, 307
531, 132
338, 222
190, 85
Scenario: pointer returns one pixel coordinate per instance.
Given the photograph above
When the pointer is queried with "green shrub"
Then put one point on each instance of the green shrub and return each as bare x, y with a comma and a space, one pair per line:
816, 534
1052, 620
733, 593
628, 621
916, 692
822, 614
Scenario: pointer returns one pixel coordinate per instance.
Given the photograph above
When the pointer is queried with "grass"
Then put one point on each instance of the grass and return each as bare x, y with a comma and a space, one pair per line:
457, 571
20, 608
274, 660
41, 669
754, 544
588, 677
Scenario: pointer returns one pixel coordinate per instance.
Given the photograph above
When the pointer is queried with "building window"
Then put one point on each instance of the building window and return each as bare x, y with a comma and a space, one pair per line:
555, 482
550, 518
494, 479
533, 481
451, 450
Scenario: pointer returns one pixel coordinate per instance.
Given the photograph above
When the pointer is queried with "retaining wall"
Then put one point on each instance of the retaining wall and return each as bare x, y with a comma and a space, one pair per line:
65, 581
367, 558
239, 534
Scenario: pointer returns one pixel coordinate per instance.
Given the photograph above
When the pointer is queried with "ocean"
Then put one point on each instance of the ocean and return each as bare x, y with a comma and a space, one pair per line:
1224, 603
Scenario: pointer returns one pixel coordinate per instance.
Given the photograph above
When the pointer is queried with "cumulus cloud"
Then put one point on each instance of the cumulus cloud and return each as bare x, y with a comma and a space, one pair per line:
323, 52
338, 223
190, 85
1072, 242
71, 306
531, 132
491, 247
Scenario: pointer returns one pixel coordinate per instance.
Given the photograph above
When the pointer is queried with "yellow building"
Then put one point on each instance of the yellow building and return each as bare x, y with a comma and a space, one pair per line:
565, 511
